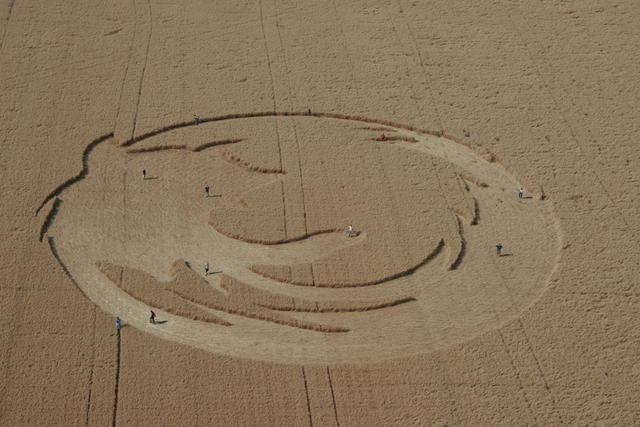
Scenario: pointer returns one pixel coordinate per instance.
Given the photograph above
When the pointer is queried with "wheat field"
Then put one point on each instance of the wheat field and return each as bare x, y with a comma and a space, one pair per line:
205, 160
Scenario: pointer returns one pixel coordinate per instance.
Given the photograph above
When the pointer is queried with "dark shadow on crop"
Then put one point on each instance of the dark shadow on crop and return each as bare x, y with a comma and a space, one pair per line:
476, 212
182, 147
50, 217
260, 269
463, 246
83, 173
54, 252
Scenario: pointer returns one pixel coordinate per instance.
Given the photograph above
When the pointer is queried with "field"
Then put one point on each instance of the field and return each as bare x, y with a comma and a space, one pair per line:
205, 160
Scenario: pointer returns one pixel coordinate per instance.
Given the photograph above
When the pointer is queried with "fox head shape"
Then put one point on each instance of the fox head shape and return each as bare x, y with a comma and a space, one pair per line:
282, 193
303, 181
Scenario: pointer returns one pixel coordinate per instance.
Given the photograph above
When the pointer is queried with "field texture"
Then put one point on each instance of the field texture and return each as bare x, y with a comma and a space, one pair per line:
205, 160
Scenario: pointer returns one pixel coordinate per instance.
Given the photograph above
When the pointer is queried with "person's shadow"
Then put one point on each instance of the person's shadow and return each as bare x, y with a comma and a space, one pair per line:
161, 322
505, 255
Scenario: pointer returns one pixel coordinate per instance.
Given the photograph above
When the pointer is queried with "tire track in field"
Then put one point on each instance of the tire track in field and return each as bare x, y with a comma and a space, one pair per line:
116, 388
19, 302
144, 69
418, 107
93, 362
568, 125
421, 62
607, 194
273, 90
333, 397
530, 350
6, 24
54, 252
379, 157
570, 128
476, 214
306, 392
116, 391
539, 368
126, 69
344, 43
440, 369
519, 378
274, 106
295, 128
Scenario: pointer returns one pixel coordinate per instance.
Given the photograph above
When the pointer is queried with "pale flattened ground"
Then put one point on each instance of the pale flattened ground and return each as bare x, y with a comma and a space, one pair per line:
550, 87
404, 201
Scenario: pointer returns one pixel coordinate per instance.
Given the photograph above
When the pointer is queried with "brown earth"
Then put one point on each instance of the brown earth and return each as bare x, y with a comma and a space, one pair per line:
543, 92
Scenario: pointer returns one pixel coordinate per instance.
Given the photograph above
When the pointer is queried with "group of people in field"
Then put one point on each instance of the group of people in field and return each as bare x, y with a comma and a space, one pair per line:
350, 229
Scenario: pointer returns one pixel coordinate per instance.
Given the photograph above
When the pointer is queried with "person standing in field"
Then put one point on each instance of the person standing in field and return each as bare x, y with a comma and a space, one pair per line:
206, 268
152, 318
118, 323
499, 249
206, 191
350, 231
144, 174
196, 119
521, 192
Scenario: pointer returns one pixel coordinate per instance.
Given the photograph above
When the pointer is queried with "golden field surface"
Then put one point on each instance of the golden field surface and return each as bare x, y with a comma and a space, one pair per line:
415, 122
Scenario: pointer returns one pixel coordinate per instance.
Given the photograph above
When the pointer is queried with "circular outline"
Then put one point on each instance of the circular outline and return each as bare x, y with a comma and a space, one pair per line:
486, 155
